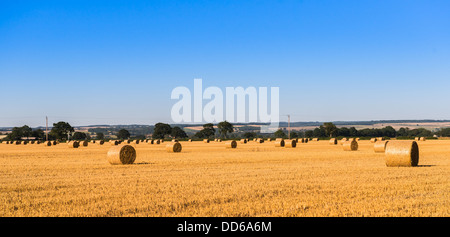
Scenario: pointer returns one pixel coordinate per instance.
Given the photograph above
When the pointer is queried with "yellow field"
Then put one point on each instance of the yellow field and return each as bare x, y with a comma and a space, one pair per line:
314, 179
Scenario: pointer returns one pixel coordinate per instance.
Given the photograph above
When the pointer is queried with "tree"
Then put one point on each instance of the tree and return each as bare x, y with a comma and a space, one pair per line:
161, 130
100, 136
224, 128
61, 130
79, 136
208, 131
280, 134
249, 135
18, 132
177, 132
330, 129
123, 134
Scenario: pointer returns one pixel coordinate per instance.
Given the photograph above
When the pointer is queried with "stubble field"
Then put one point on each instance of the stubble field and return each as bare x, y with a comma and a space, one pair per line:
314, 179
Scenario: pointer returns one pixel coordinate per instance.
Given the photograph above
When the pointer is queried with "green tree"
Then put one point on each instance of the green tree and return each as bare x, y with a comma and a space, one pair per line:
249, 135
79, 136
177, 132
161, 130
330, 129
100, 136
61, 130
280, 134
123, 134
224, 128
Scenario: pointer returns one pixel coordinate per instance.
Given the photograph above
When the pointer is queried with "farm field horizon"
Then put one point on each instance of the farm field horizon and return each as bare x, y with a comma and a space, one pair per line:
206, 179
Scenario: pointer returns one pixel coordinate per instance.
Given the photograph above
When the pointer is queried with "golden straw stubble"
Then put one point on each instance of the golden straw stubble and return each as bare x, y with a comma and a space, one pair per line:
380, 146
350, 146
121, 155
173, 147
402, 154
230, 144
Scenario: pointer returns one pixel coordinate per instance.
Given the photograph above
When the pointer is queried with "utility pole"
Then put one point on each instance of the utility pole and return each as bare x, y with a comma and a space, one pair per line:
289, 127
46, 128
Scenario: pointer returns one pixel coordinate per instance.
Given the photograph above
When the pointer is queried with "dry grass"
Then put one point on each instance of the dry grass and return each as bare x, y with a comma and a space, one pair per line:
313, 179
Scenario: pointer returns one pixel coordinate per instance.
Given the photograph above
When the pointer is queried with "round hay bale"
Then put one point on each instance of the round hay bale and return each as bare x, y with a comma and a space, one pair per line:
315, 139
127, 142
156, 141
306, 140
121, 155
173, 147
279, 143
32, 142
47, 143
343, 140
417, 138
54, 143
219, 140
373, 140
380, 139
114, 143
243, 141
161, 140
73, 144
84, 143
190, 140
350, 146
93, 141
259, 140
422, 139
38, 142
100, 142
402, 154
380, 146
205, 140
136, 142
290, 144
333, 141
230, 144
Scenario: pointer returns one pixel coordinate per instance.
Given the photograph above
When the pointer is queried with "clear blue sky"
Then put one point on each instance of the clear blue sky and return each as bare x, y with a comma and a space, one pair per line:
116, 62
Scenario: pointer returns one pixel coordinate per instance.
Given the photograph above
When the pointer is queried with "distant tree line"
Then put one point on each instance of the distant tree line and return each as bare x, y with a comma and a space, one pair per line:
64, 131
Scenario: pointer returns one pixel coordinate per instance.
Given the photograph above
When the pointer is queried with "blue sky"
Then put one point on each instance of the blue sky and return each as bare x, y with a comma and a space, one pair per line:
116, 62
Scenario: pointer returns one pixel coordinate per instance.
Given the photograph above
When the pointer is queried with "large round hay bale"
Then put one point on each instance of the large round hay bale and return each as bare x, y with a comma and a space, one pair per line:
279, 143
47, 143
243, 141
333, 141
402, 154
38, 142
73, 144
373, 140
343, 140
84, 143
190, 140
54, 143
259, 140
350, 146
121, 155
157, 141
380, 146
315, 139
306, 140
32, 142
230, 144
380, 139
114, 143
422, 139
173, 147
136, 142
290, 143
205, 140
100, 142
417, 138
92, 141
